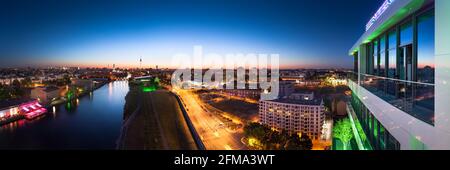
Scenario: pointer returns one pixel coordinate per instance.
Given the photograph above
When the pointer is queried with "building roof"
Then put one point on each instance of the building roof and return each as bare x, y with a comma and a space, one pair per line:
299, 102
143, 77
50, 88
4, 104
387, 16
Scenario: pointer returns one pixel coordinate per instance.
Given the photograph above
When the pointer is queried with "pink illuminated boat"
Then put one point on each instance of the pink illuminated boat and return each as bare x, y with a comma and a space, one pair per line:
32, 110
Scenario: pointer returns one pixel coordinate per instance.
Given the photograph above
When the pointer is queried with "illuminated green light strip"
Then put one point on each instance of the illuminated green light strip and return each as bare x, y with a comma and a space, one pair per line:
148, 89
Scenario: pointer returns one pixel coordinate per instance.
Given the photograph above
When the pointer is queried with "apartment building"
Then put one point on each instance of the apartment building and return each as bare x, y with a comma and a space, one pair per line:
295, 116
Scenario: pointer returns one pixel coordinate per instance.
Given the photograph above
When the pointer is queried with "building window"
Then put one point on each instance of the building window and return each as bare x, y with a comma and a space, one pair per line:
425, 48
405, 52
424, 94
392, 62
406, 34
392, 143
382, 143
375, 49
392, 54
382, 56
369, 59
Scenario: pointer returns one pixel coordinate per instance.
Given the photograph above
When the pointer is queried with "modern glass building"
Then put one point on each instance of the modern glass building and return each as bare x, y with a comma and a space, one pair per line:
401, 78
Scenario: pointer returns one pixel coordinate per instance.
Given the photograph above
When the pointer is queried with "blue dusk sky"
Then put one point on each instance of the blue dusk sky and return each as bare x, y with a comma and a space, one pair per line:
98, 33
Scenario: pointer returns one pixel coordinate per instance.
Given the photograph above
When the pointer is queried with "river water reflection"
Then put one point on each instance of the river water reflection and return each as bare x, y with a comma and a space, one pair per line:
90, 122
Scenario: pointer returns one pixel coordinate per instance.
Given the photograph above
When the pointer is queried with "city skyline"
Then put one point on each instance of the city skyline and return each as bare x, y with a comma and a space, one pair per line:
254, 75
58, 34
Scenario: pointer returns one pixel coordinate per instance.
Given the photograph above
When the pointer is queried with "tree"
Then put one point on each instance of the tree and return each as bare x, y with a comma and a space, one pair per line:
293, 143
26, 82
343, 131
279, 139
298, 143
255, 130
306, 142
66, 79
261, 133
71, 93
275, 140
17, 89
4, 92
16, 83
272, 140
156, 80
284, 136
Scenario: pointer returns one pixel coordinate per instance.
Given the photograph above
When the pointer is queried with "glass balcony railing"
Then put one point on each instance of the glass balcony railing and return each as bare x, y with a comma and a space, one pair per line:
414, 98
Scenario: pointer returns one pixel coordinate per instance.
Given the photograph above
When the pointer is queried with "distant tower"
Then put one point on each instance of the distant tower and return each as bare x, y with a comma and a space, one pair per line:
114, 66
140, 62
156, 67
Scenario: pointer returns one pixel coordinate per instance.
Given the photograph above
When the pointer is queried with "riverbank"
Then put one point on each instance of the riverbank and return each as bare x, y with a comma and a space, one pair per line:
11, 119
154, 121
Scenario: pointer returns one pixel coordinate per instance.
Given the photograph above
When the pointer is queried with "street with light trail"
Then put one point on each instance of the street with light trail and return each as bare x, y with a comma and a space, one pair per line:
211, 129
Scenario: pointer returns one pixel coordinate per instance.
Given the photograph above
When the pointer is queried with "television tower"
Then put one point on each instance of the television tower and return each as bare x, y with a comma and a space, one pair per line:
140, 62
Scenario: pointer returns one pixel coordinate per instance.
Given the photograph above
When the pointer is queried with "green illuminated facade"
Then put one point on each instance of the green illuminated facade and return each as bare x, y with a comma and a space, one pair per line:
372, 133
399, 83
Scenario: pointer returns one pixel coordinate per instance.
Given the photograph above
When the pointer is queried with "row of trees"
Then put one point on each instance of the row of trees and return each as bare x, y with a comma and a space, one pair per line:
262, 137
15, 90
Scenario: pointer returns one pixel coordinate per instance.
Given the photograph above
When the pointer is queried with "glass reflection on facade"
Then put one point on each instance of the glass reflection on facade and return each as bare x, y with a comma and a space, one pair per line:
392, 55
424, 95
425, 48
400, 66
375, 49
406, 34
382, 56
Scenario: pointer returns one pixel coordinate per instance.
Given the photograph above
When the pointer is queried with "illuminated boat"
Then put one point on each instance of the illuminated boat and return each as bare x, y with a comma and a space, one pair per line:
32, 110
35, 113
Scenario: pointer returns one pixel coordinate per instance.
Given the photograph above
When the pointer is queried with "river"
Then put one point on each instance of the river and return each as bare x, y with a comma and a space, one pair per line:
90, 122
